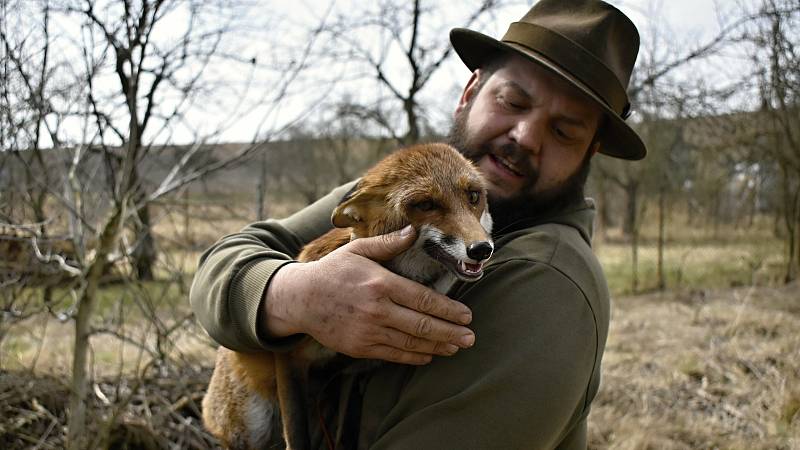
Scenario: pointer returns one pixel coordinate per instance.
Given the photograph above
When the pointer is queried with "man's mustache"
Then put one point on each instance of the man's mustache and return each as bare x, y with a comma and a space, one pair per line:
514, 154
517, 156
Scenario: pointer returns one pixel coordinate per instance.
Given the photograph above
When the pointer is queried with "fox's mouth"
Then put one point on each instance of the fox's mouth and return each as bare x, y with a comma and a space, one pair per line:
465, 271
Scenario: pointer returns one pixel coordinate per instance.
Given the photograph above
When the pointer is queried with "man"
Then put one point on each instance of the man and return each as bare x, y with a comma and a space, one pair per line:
521, 347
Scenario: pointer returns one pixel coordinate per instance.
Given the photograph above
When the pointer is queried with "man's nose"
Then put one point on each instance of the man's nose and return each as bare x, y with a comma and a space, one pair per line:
527, 134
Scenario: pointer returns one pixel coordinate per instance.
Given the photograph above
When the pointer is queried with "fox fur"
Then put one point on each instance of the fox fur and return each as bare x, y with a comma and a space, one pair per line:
430, 186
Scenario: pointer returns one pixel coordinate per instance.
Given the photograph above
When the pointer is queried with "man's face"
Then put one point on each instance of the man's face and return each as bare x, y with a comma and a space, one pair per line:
530, 133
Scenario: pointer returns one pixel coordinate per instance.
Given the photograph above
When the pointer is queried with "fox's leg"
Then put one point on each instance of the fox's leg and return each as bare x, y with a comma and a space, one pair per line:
292, 402
259, 421
239, 415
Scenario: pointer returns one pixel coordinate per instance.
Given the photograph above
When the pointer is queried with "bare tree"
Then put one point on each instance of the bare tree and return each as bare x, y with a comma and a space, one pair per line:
408, 48
663, 102
779, 87
138, 68
27, 120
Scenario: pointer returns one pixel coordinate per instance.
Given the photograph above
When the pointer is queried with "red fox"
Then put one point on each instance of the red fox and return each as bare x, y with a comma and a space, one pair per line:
430, 186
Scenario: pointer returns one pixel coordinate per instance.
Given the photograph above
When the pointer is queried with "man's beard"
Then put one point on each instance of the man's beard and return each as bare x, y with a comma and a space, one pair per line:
527, 204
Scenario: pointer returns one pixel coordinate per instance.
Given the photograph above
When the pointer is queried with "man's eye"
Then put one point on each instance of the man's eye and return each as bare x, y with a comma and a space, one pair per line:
425, 205
510, 103
474, 197
562, 134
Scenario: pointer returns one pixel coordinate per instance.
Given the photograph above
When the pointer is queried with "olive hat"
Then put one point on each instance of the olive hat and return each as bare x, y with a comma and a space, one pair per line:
589, 43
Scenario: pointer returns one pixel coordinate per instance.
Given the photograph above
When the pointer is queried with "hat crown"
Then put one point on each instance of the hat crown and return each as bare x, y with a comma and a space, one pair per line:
599, 28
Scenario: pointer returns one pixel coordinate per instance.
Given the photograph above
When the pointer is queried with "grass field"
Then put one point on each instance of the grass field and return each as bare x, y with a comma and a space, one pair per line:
694, 265
701, 370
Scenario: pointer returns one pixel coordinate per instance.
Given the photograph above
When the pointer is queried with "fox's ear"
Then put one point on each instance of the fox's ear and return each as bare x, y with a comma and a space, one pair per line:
347, 214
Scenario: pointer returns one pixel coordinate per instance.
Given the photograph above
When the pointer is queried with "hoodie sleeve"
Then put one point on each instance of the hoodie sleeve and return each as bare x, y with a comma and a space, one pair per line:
228, 288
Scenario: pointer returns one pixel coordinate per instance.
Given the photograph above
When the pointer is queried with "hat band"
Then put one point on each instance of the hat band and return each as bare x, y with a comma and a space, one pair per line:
572, 58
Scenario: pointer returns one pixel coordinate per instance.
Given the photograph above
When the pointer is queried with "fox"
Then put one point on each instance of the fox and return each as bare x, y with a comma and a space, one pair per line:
430, 186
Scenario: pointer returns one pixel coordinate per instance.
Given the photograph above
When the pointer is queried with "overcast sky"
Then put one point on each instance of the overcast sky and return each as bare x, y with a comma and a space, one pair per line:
685, 21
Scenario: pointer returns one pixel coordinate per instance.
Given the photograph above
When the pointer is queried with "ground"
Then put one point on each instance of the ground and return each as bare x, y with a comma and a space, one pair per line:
701, 369
682, 370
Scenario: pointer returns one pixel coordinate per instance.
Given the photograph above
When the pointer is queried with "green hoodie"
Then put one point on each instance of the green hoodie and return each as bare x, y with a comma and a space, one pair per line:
540, 316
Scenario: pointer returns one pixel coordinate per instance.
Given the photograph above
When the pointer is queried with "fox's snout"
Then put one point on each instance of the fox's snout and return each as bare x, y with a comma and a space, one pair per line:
461, 256
480, 250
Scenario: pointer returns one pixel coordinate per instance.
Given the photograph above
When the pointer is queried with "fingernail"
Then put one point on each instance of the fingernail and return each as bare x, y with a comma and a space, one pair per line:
467, 341
450, 349
466, 318
406, 230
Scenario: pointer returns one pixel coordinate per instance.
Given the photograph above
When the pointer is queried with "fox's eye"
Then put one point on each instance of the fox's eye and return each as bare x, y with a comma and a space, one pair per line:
474, 197
425, 205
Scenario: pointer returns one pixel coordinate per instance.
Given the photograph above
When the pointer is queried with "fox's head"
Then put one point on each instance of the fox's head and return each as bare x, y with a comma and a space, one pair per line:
441, 194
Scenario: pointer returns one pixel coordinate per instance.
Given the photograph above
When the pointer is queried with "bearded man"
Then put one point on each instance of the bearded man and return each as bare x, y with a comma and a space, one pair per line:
518, 352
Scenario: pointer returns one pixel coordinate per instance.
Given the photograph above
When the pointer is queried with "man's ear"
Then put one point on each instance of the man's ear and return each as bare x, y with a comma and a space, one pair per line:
469, 91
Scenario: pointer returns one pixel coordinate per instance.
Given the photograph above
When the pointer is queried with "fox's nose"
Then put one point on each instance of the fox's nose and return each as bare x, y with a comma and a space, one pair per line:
480, 250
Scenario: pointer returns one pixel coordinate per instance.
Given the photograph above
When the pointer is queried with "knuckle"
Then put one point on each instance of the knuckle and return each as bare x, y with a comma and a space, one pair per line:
373, 287
441, 348
425, 302
450, 334
395, 354
424, 327
411, 343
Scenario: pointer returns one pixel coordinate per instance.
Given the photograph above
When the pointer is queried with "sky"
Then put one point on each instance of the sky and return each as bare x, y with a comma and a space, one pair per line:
241, 108
689, 21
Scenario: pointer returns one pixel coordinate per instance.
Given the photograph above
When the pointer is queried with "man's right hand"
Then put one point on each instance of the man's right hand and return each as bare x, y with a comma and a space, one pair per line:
350, 303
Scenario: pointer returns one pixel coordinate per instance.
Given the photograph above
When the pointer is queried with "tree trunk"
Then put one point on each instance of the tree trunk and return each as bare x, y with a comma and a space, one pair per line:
635, 261
77, 437
793, 234
261, 188
187, 218
631, 191
633, 226
662, 283
795, 272
412, 137
144, 254
605, 219
631, 229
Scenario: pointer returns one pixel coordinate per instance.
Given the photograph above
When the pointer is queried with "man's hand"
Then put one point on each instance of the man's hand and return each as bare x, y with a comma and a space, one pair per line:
350, 303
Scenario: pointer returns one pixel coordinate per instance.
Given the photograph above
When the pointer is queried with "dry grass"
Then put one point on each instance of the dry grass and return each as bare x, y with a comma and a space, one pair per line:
700, 369
44, 346
716, 369
159, 411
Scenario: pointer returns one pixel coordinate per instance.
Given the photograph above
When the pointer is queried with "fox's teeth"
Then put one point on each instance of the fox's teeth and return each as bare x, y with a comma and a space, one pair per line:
470, 268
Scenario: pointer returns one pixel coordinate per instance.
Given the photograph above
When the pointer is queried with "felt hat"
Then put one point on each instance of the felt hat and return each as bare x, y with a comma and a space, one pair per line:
589, 43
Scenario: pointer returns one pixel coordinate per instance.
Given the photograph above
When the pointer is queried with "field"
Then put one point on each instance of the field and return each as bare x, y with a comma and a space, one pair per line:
701, 370
713, 361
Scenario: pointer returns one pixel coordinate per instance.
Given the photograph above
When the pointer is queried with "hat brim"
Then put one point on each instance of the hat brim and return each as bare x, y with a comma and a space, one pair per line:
618, 139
